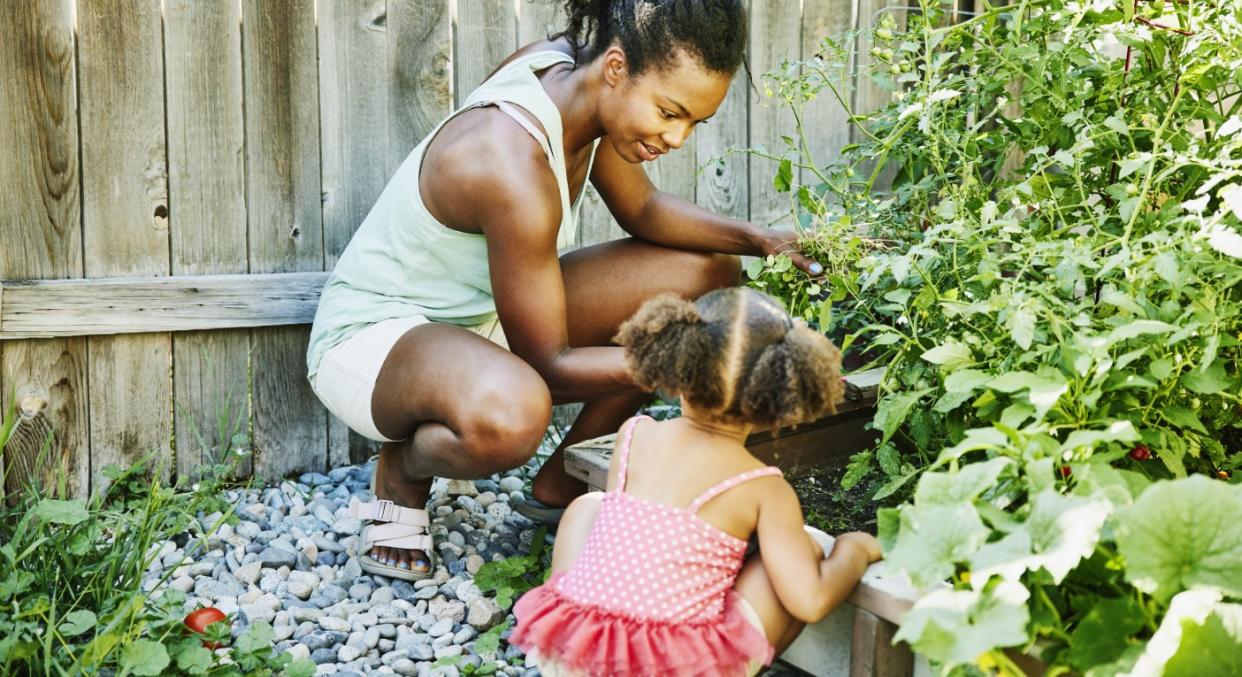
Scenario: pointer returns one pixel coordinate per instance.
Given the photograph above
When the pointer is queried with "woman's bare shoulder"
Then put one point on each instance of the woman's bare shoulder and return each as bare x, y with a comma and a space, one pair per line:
559, 44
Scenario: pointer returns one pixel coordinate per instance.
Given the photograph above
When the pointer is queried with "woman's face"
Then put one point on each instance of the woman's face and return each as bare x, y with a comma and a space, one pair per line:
647, 116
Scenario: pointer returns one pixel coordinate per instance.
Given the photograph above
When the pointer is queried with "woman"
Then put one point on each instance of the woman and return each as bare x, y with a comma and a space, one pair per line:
450, 325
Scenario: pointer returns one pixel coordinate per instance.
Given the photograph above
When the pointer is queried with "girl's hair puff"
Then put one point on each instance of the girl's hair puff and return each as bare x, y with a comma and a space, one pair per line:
734, 352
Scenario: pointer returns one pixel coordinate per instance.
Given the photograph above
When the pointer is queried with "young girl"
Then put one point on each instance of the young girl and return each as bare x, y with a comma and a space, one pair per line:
651, 577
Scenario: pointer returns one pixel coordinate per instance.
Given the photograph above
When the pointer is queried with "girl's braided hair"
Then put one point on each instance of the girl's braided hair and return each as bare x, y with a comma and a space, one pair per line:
652, 31
734, 352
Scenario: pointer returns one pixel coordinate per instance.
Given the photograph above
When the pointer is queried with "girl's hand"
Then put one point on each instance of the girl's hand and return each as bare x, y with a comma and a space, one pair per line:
772, 242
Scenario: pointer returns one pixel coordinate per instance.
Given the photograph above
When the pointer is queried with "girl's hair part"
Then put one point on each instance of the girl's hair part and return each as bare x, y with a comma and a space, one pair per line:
651, 32
736, 353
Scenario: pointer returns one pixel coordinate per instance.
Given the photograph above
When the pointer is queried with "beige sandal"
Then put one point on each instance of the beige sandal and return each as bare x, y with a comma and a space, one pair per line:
402, 528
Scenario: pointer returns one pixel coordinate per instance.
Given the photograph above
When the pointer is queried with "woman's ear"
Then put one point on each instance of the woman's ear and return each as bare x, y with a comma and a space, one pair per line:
616, 67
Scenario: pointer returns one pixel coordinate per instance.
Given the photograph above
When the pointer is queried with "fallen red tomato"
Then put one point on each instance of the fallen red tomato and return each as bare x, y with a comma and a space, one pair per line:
1140, 453
1065, 471
198, 620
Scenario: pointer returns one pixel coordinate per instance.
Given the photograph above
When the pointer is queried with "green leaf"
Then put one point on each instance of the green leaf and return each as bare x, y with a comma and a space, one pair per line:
1138, 328
144, 657
1181, 534
1182, 417
1122, 431
950, 356
301, 667
1021, 326
196, 660
784, 176
977, 439
1198, 636
1213, 381
890, 460
61, 512
256, 637
858, 468
1057, 534
1101, 636
754, 267
954, 626
892, 411
933, 538
966, 380
962, 486
77, 622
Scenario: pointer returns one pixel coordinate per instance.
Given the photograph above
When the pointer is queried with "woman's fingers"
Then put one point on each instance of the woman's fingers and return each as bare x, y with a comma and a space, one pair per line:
784, 242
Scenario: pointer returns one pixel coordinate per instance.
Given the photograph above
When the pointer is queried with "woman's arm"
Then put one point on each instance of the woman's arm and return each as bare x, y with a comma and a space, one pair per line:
672, 221
519, 212
807, 584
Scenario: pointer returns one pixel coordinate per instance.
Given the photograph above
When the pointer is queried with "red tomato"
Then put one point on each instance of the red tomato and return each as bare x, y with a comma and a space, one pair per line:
1065, 471
198, 620
1140, 453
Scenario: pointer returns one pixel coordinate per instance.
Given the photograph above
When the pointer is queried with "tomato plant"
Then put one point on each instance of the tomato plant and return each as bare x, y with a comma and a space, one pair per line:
1057, 187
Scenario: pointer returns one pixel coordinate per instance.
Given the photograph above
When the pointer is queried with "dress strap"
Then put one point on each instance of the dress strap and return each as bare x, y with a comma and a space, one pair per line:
729, 483
512, 111
623, 448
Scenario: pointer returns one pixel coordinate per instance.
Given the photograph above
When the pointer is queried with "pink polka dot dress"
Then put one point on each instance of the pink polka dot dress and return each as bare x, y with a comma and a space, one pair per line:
650, 594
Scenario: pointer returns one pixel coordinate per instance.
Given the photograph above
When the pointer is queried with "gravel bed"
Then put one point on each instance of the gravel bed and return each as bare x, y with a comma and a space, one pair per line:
288, 561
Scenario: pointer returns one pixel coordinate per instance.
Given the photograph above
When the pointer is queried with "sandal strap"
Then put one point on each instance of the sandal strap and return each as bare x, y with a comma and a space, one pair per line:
394, 535
387, 511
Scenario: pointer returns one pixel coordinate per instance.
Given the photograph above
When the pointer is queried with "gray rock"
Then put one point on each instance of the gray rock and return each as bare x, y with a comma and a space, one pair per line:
258, 613
464, 635
511, 484
422, 652
461, 488
334, 624
335, 593
483, 613
383, 595
350, 571
299, 589
404, 666
347, 653
453, 610
347, 526
408, 642
426, 593
360, 592
323, 656
275, 558
304, 614
318, 640
448, 651
438, 629
326, 544
371, 638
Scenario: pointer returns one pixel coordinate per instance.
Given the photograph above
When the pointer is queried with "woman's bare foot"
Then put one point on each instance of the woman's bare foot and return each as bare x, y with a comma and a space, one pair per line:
553, 486
391, 485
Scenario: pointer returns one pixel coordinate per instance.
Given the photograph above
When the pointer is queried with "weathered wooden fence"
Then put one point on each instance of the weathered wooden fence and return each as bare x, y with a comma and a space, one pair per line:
176, 176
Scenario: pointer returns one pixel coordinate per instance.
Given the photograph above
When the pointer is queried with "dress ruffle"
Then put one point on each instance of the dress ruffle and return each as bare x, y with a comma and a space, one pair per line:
602, 642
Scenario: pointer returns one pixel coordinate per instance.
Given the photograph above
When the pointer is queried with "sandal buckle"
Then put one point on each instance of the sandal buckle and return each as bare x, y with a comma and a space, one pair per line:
387, 510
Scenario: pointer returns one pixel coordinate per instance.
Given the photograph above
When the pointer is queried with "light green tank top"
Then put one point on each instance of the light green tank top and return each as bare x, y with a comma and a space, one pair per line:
402, 262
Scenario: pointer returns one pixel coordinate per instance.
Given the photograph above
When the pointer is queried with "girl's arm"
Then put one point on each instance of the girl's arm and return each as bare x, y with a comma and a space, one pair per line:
572, 532
808, 585
672, 221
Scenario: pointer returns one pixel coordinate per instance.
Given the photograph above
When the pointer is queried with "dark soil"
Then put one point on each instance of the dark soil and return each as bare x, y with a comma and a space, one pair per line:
828, 507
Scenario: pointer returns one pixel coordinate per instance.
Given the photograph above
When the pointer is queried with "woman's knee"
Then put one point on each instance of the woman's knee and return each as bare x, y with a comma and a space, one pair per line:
508, 422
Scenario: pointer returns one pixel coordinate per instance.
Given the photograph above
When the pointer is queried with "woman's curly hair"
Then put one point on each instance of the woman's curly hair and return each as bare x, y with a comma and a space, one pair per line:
734, 352
651, 32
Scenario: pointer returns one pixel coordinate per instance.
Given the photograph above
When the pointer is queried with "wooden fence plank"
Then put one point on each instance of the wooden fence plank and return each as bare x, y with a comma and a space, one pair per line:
286, 228
539, 19
775, 33
207, 205
420, 93
486, 34
723, 184
125, 221
354, 105
82, 307
40, 216
824, 120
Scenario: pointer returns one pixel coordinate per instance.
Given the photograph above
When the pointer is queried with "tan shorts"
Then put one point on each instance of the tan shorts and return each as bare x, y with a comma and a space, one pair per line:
346, 377
553, 668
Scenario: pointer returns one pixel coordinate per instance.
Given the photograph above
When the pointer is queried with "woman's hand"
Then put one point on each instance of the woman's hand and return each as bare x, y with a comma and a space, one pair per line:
773, 242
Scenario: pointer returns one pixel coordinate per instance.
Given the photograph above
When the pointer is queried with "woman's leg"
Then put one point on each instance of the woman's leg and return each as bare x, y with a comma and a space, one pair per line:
605, 284
462, 406
754, 585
